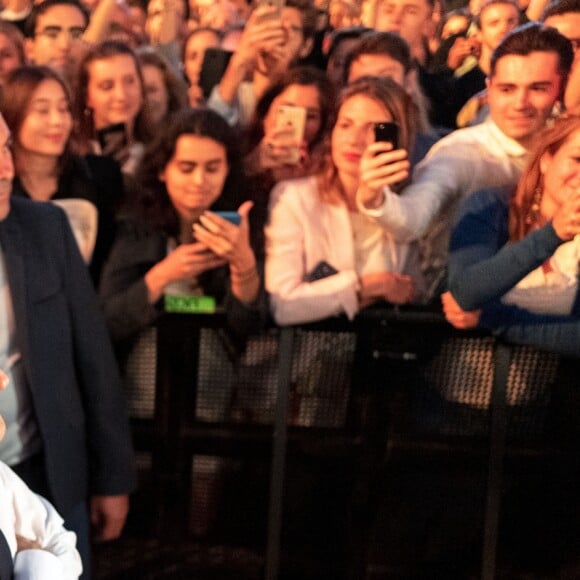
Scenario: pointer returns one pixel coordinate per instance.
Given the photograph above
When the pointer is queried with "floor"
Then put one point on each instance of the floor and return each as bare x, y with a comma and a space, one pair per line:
426, 525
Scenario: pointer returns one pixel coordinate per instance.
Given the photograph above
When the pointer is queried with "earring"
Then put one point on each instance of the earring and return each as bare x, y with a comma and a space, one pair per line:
532, 214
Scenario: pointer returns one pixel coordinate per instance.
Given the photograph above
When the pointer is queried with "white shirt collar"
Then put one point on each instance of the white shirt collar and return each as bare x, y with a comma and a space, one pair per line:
507, 144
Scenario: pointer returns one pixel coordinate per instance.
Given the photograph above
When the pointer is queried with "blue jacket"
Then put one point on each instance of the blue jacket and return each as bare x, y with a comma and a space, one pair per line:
483, 266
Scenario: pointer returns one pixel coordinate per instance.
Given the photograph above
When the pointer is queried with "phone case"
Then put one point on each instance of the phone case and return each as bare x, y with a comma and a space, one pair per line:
278, 4
232, 216
321, 270
388, 132
295, 117
213, 67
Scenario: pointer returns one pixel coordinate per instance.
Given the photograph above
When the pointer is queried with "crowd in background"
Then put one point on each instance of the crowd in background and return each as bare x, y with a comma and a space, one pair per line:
167, 132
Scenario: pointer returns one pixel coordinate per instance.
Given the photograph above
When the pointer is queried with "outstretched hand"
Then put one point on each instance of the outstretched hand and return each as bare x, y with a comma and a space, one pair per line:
380, 166
456, 316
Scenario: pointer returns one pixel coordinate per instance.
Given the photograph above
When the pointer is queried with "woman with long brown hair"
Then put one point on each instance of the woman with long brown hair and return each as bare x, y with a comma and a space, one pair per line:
514, 256
323, 255
36, 106
110, 107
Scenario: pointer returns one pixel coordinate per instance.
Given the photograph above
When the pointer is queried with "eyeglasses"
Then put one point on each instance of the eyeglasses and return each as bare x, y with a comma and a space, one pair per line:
54, 32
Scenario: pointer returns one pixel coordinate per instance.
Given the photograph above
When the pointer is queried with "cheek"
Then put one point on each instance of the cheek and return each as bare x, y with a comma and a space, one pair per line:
27, 131
173, 181
312, 128
68, 123
270, 119
95, 98
191, 65
545, 101
217, 184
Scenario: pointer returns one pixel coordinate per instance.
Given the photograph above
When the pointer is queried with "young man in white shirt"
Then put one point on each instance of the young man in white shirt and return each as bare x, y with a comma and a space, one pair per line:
528, 75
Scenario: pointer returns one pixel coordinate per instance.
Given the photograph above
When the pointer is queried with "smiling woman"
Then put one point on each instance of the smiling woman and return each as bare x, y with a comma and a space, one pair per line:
171, 240
513, 263
111, 96
323, 256
36, 107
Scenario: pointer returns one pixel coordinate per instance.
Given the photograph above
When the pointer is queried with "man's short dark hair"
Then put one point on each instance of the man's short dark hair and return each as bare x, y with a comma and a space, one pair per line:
379, 43
559, 7
40, 9
535, 37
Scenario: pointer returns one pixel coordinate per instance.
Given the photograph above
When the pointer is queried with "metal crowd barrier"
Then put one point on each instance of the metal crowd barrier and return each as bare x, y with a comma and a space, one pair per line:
328, 389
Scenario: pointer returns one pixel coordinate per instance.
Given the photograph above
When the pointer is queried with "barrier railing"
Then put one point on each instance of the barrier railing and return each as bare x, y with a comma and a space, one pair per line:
328, 388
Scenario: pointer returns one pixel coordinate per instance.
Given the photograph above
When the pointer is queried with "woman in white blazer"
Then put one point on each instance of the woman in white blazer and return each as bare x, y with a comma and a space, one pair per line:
326, 254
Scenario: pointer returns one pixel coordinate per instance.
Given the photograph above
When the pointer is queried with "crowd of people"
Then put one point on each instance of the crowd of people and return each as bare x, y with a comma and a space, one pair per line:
233, 152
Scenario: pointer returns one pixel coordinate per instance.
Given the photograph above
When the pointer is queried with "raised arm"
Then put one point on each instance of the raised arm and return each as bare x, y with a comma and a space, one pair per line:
482, 265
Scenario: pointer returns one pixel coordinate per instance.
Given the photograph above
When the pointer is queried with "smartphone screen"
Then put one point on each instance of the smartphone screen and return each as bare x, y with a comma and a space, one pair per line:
388, 132
232, 216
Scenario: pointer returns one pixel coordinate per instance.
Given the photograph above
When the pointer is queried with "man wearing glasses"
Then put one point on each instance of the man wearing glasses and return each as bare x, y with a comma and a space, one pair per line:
54, 32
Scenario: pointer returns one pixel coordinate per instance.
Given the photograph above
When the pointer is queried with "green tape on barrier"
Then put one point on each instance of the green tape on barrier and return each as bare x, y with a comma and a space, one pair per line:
190, 304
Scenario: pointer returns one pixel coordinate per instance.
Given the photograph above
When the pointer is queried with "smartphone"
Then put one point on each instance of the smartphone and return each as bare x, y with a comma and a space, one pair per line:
214, 65
278, 4
232, 216
112, 139
288, 116
388, 132
321, 270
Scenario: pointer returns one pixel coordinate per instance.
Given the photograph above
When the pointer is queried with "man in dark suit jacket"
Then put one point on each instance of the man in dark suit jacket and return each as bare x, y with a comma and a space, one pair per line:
69, 368
6, 565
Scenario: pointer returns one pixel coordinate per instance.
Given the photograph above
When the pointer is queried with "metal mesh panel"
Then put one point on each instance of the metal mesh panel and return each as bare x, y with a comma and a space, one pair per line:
245, 392
254, 399
139, 376
459, 380
206, 487
321, 374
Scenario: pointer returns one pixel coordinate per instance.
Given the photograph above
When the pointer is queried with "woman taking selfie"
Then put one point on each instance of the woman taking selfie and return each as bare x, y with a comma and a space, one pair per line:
513, 263
36, 107
325, 253
273, 152
110, 108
